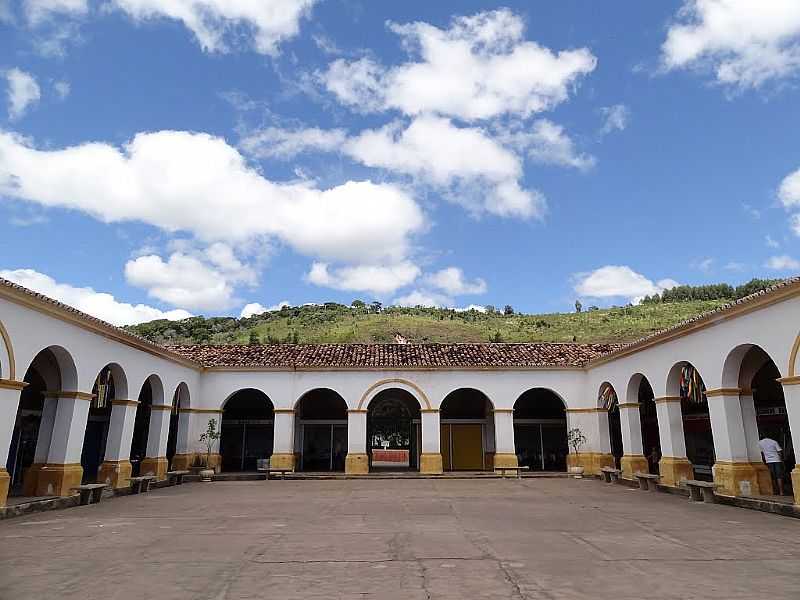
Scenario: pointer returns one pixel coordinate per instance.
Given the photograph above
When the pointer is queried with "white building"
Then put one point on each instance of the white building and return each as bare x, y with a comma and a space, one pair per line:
83, 400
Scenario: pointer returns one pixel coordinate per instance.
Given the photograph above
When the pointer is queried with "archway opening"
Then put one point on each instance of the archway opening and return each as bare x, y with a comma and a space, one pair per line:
609, 401
247, 430
648, 417
464, 421
104, 391
141, 427
696, 419
393, 430
540, 431
321, 431
180, 400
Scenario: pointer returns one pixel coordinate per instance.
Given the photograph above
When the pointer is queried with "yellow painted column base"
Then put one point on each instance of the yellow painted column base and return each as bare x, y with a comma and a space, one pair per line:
735, 478
505, 460
356, 463
282, 461
764, 479
5, 482
633, 463
30, 479
181, 462
430, 463
58, 480
155, 465
592, 462
796, 484
115, 473
674, 470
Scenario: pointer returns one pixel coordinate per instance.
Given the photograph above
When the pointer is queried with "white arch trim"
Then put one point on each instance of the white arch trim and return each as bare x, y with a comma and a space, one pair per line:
9, 354
402, 384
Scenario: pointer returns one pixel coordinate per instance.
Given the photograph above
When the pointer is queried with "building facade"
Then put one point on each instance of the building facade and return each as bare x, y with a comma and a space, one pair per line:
81, 400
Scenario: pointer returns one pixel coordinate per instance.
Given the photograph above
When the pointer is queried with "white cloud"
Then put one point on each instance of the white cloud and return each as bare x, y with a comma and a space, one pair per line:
615, 118
23, 92
782, 263
475, 307
377, 279
285, 143
547, 143
770, 242
452, 281
98, 304
197, 183
703, 264
619, 282
254, 308
42, 10
6, 14
62, 89
423, 298
479, 68
214, 23
789, 192
744, 43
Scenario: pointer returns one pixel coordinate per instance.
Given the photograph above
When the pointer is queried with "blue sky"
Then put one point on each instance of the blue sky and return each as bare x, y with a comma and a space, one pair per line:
175, 157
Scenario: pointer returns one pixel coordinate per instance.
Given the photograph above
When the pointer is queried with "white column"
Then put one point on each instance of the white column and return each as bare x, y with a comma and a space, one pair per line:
45, 430
431, 432
120, 430
750, 427
505, 450
284, 432
356, 462
670, 427
631, 425
727, 426
791, 393
603, 431
158, 431
184, 445
9, 403
66, 442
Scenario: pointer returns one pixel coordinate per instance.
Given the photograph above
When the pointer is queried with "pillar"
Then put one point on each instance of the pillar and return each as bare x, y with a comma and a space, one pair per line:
633, 459
751, 439
155, 462
183, 448
196, 423
673, 466
116, 468
505, 451
593, 423
357, 460
283, 448
63, 470
30, 478
791, 393
9, 403
430, 461
732, 470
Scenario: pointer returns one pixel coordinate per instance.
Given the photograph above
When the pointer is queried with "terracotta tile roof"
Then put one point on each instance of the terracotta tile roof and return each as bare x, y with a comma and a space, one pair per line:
390, 356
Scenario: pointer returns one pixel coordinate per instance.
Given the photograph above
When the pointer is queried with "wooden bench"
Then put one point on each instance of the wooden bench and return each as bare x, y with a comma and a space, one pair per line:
610, 474
701, 491
176, 477
515, 470
647, 481
90, 493
141, 484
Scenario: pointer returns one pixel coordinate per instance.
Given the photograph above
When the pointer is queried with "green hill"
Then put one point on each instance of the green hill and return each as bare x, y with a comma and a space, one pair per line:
336, 323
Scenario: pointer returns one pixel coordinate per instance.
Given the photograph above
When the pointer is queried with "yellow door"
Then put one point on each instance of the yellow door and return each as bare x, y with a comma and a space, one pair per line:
444, 445
467, 440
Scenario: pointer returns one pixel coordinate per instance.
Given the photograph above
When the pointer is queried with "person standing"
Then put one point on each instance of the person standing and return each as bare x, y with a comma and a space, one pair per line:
772, 454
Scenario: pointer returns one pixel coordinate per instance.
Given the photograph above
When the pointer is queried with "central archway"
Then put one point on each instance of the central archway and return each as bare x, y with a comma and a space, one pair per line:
540, 430
321, 430
464, 431
247, 430
685, 381
393, 430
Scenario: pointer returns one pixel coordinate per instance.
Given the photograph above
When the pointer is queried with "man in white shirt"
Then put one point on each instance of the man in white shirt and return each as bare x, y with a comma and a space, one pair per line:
771, 453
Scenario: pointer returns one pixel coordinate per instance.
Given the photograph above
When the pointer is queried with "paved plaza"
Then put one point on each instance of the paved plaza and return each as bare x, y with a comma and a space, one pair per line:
410, 539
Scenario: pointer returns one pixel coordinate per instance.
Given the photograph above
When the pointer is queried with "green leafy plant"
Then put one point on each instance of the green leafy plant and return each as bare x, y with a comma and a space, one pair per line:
209, 437
576, 439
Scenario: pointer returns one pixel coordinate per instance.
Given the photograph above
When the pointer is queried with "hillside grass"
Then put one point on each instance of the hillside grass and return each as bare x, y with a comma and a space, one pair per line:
341, 324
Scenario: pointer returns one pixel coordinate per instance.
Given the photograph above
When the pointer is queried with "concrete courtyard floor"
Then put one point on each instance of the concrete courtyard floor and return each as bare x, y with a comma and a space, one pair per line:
410, 539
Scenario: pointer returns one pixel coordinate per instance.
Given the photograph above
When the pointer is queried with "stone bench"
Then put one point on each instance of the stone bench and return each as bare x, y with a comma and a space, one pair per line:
176, 477
515, 470
610, 474
141, 484
701, 491
90, 493
270, 470
647, 481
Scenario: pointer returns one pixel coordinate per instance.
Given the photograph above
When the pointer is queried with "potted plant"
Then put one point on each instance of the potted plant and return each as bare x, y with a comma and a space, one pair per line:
209, 439
198, 464
576, 440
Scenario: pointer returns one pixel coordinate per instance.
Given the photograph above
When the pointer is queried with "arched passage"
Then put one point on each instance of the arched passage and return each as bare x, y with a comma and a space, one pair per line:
109, 385
540, 430
393, 430
321, 430
607, 399
640, 390
180, 400
464, 421
152, 392
247, 430
685, 381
